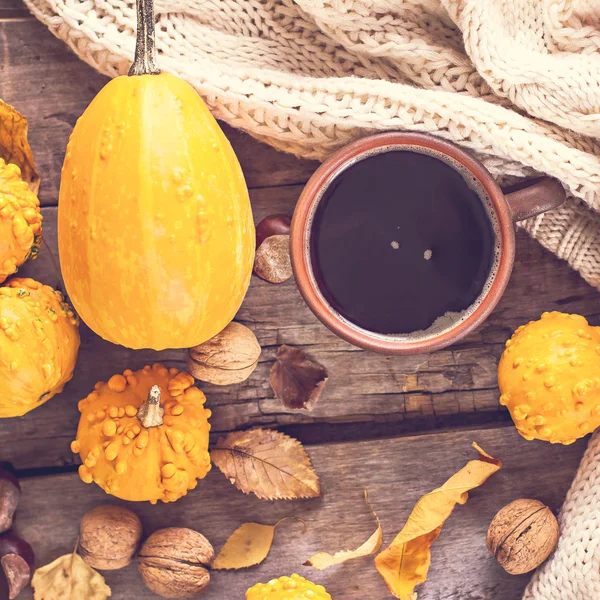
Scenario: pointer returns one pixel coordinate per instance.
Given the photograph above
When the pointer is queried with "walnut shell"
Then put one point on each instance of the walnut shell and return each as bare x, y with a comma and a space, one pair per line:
174, 562
522, 535
109, 537
229, 357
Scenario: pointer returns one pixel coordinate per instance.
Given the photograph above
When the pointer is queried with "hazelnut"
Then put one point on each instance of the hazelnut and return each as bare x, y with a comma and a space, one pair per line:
174, 562
229, 357
522, 535
272, 225
272, 260
109, 537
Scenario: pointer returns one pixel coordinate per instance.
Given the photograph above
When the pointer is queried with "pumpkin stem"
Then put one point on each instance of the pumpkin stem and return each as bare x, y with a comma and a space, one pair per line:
144, 62
150, 414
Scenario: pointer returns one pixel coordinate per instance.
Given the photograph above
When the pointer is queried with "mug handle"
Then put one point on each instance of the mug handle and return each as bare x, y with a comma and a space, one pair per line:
534, 196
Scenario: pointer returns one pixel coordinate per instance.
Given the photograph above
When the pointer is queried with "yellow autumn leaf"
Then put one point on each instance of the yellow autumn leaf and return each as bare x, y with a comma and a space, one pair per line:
14, 147
247, 546
69, 578
405, 563
324, 560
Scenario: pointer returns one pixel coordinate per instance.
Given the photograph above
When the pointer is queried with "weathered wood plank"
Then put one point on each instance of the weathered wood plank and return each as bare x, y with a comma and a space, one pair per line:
46, 82
14, 9
391, 394
394, 474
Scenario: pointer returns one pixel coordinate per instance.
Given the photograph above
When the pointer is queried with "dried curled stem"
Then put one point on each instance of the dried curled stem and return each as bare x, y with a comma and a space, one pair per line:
150, 414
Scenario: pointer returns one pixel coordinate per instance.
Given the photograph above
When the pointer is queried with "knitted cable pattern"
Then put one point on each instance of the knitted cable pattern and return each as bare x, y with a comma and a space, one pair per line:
573, 571
515, 81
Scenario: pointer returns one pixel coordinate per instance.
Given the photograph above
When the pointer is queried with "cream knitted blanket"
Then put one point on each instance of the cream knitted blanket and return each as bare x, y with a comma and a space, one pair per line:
515, 81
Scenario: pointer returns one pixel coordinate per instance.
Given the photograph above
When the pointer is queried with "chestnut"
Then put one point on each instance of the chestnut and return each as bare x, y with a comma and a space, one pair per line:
10, 493
272, 225
17, 561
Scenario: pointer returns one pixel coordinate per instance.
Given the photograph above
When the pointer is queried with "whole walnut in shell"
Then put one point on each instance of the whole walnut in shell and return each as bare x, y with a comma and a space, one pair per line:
522, 535
174, 562
229, 357
109, 537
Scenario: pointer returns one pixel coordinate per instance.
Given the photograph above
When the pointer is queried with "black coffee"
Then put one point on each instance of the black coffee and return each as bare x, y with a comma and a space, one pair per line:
399, 240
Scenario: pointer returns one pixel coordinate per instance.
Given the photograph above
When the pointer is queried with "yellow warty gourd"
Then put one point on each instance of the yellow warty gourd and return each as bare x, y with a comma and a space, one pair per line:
143, 435
549, 377
288, 588
39, 341
155, 228
20, 221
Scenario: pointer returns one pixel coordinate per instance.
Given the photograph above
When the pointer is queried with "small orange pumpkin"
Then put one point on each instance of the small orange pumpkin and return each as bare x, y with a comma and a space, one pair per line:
20, 221
39, 341
144, 435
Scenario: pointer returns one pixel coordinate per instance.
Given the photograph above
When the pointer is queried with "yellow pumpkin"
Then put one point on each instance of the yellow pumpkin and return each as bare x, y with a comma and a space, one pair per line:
144, 435
39, 341
155, 228
549, 378
20, 221
287, 588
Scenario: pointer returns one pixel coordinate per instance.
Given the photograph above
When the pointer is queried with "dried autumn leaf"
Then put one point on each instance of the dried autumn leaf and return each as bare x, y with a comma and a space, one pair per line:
247, 546
69, 578
14, 147
267, 463
323, 560
296, 379
405, 563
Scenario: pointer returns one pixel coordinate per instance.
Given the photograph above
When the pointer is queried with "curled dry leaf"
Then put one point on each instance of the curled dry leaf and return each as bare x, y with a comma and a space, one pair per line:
405, 563
248, 545
69, 578
323, 560
14, 147
270, 464
296, 379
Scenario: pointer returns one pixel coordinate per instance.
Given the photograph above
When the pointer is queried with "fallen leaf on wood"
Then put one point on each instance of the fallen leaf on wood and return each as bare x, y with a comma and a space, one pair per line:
248, 545
267, 463
14, 147
323, 560
296, 379
69, 578
405, 563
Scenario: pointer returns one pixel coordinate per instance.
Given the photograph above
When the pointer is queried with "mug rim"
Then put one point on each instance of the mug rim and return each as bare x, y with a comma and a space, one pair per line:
300, 247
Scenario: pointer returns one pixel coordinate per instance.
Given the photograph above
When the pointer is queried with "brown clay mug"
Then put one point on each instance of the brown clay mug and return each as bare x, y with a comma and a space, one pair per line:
526, 200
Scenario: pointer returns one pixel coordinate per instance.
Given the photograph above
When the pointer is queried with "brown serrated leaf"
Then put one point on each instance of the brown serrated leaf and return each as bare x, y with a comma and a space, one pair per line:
248, 545
405, 563
270, 464
69, 578
323, 560
14, 147
296, 379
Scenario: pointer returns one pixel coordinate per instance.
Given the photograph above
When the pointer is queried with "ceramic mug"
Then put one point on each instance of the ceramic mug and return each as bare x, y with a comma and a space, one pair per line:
521, 202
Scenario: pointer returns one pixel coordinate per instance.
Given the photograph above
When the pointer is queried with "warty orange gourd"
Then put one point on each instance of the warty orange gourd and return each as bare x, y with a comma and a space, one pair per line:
155, 228
39, 342
288, 588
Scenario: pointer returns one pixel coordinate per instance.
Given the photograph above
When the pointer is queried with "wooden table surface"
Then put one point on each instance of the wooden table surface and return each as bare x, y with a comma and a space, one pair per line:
396, 426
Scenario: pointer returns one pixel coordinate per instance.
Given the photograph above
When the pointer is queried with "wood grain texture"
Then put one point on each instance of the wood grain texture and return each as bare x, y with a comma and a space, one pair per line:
394, 473
48, 84
392, 394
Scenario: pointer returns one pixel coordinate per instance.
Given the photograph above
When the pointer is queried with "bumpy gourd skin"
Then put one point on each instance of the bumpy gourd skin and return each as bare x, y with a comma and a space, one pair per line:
549, 377
155, 227
136, 463
39, 341
20, 221
287, 588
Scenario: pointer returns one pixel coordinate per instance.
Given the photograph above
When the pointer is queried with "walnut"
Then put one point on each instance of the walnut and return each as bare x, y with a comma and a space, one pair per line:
174, 562
230, 357
109, 537
522, 535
